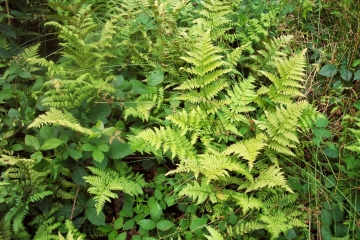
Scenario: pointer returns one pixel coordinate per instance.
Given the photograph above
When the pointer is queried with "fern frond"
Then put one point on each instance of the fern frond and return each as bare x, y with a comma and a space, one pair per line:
199, 192
247, 202
272, 177
169, 139
57, 117
248, 149
103, 182
214, 235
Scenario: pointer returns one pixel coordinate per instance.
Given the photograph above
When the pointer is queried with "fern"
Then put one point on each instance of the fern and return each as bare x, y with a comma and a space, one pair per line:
104, 182
271, 177
57, 117
200, 192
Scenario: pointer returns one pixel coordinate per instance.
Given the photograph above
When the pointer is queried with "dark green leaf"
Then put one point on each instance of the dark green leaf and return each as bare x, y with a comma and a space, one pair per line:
75, 154
127, 210
164, 225
32, 141
329, 70
100, 112
51, 143
357, 75
155, 78
119, 150
78, 174
7, 30
147, 224
138, 87
330, 181
326, 217
94, 218
38, 84
25, 74
331, 151
345, 74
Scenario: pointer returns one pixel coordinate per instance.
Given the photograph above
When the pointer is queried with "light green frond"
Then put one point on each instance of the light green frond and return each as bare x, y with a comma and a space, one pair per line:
57, 117
247, 202
248, 149
214, 235
199, 192
169, 139
193, 121
272, 177
103, 182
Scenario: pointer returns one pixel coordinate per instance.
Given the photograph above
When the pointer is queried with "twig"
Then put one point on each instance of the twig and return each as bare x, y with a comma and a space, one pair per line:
73, 206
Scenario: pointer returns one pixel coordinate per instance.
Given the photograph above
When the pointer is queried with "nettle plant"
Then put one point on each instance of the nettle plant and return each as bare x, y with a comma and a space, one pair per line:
213, 123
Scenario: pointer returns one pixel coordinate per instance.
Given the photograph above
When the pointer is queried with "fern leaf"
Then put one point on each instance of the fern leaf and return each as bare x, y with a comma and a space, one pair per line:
199, 192
57, 117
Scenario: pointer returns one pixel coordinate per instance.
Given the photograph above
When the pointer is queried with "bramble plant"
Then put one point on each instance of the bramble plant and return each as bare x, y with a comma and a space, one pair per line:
175, 119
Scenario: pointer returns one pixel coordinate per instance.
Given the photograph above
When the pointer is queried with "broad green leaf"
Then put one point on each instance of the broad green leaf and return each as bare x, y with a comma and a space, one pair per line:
25, 74
156, 211
119, 223
330, 181
8, 30
75, 154
164, 225
155, 78
346, 74
98, 155
322, 122
32, 141
78, 174
128, 224
147, 224
51, 143
88, 147
169, 200
138, 87
94, 218
356, 63
127, 210
197, 223
121, 236
38, 84
100, 112
329, 70
47, 132
119, 150
103, 147
357, 75
326, 217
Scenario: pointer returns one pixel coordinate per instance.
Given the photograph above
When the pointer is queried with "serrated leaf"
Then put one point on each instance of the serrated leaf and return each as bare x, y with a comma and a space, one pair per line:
98, 155
128, 224
164, 225
121, 236
51, 143
88, 147
119, 223
75, 154
94, 218
156, 211
103, 147
32, 141
155, 78
78, 175
100, 112
329, 70
147, 224
197, 223
119, 150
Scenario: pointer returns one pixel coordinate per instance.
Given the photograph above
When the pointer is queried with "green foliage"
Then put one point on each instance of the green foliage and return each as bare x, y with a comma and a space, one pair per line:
174, 119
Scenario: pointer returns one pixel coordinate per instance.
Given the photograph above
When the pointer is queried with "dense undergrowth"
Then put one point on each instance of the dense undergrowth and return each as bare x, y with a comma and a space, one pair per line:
179, 119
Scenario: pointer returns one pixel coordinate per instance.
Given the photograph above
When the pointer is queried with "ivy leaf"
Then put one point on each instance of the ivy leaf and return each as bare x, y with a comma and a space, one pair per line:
147, 224
32, 141
329, 70
155, 78
164, 225
51, 143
